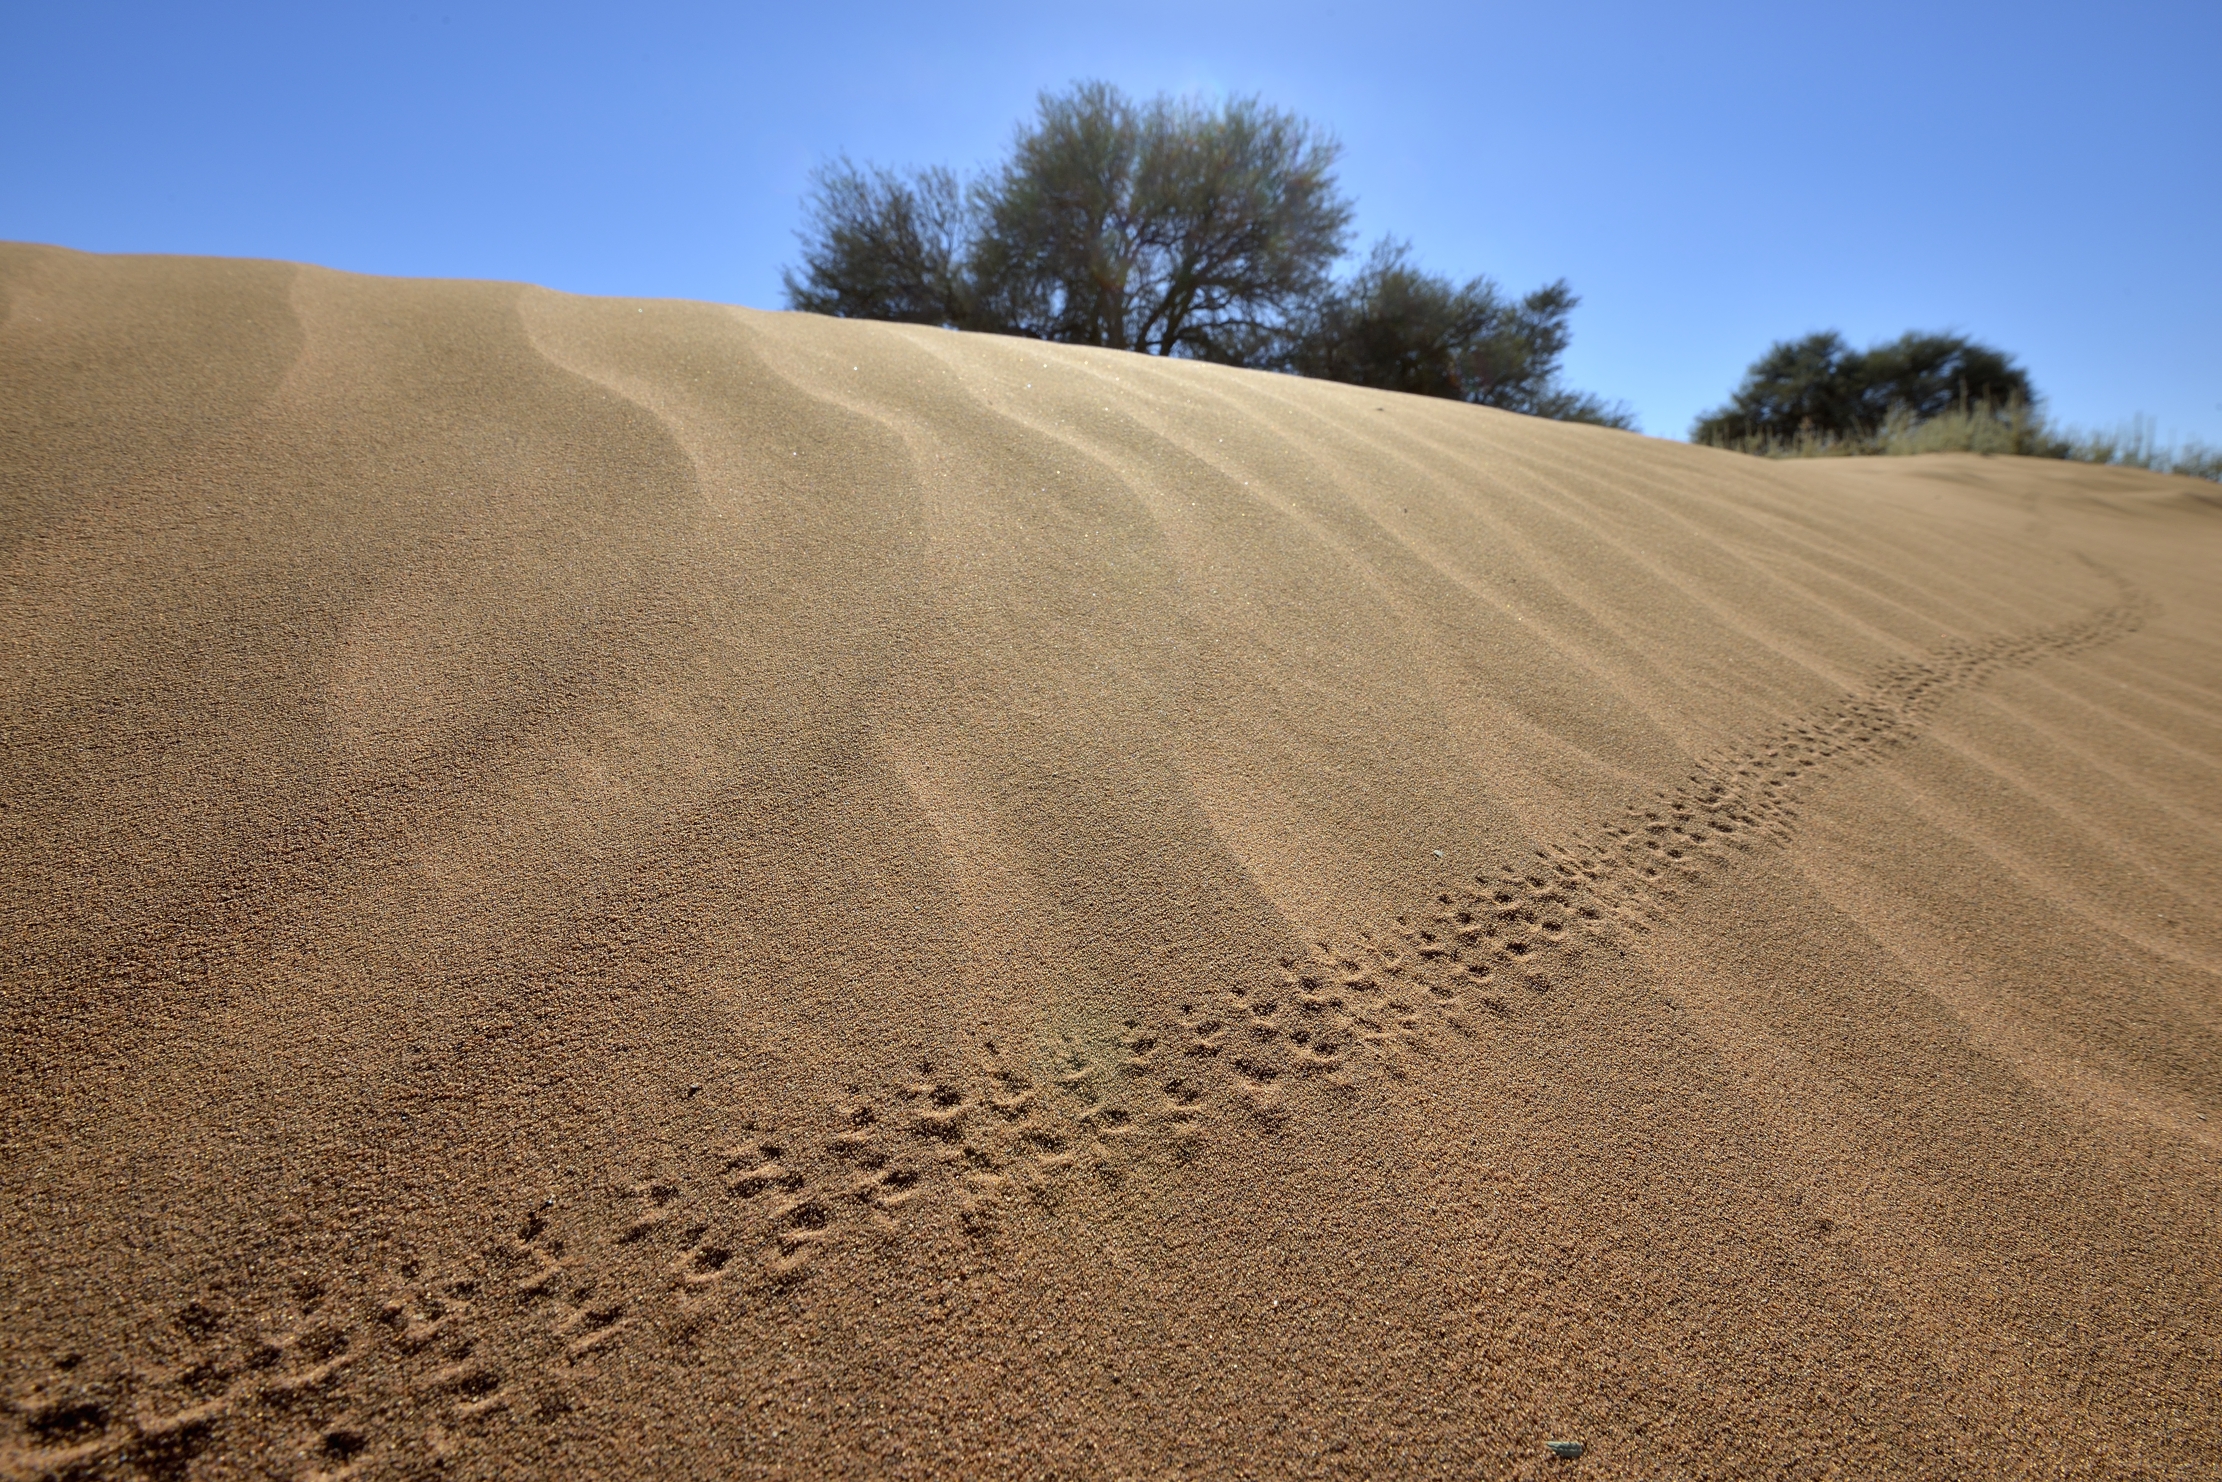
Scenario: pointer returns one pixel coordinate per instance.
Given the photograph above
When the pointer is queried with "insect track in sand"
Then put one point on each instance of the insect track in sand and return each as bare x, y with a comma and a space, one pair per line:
201, 1382
515, 1338
1486, 940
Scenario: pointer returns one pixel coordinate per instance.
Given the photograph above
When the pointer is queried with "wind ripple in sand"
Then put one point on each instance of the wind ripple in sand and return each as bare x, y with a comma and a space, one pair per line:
517, 1337
543, 932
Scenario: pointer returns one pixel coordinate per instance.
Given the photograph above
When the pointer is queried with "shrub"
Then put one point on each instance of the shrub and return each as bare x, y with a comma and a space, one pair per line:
1397, 328
1819, 387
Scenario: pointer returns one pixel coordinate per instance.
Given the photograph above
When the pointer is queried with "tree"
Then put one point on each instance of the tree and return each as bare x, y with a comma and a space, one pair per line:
1172, 228
1819, 387
1924, 374
1397, 328
882, 247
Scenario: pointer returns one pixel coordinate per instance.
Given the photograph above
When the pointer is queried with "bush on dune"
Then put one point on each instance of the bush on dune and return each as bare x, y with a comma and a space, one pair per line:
1395, 327
1816, 397
1821, 388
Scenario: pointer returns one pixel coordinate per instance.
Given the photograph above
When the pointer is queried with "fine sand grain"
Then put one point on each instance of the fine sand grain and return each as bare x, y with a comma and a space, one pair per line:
616, 888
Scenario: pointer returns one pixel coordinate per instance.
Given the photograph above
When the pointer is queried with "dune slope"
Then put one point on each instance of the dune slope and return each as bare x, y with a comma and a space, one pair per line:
657, 889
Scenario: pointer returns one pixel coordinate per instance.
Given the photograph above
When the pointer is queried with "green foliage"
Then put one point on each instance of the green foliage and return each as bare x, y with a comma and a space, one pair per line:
1175, 228
1819, 388
882, 247
1171, 228
1397, 328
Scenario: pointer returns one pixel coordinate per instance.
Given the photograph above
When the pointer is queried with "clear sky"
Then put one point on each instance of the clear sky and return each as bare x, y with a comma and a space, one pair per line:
2045, 177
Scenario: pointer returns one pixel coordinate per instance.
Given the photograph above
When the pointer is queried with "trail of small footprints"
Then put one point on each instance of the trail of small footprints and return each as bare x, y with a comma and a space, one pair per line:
286, 1377
519, 1337
1487, 940
1491, 941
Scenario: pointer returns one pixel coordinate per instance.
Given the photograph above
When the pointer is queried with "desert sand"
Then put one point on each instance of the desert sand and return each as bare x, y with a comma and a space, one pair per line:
619, 888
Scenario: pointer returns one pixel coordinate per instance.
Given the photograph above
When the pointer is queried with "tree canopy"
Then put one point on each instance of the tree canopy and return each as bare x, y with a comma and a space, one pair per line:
883, 247
1395, 327
1175, 228
1819, 387
1171, 228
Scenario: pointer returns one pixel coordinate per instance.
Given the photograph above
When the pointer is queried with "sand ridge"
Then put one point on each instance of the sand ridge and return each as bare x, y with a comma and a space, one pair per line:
657, 888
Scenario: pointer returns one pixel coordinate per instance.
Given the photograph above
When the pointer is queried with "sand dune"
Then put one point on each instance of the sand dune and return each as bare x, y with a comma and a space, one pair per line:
654, 889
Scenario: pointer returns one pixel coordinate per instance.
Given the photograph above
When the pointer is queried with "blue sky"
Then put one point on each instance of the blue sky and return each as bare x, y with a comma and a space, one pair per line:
1710, 177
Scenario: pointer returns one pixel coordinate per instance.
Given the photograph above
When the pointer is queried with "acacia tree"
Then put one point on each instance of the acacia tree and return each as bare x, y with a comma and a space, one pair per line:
885, 247
1820, 387
1398, 328
1172, 228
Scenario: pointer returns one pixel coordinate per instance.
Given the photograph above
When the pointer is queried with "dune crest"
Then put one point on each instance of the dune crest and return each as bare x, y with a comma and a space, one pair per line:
652, 888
